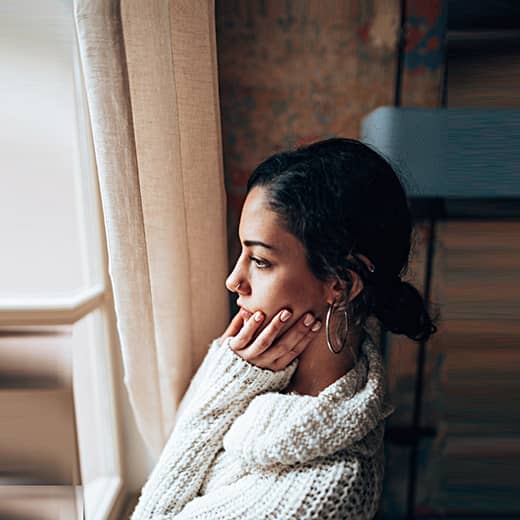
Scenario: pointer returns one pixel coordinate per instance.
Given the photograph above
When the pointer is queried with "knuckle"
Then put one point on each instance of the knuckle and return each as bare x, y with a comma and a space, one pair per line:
287, 348
298, 349
263, 343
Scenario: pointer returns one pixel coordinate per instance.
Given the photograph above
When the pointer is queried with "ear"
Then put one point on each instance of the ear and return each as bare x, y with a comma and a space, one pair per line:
336, 288
357, 285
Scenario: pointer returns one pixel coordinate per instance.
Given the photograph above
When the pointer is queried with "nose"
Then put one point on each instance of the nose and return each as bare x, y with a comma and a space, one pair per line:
236, 282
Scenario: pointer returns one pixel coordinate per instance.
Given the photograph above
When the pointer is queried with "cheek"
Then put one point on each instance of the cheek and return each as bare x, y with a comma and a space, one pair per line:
271, 290
300, 292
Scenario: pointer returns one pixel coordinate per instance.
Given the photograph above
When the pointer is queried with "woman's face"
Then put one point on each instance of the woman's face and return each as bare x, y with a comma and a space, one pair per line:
272, 269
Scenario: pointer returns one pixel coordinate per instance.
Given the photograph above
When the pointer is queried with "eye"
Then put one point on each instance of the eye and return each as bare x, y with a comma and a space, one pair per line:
261, 264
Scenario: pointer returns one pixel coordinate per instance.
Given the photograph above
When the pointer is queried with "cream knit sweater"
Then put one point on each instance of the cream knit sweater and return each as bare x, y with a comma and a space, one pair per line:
240, 449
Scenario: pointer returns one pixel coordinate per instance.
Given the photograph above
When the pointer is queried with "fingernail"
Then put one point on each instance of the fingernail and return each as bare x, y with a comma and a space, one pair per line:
316, 326
308, 320
258, 316
285, 315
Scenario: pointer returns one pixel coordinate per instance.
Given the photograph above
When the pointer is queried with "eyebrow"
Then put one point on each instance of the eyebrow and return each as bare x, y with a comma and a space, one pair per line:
250, 243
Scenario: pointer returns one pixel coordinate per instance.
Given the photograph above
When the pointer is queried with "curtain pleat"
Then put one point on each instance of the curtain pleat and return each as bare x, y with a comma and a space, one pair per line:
151, 81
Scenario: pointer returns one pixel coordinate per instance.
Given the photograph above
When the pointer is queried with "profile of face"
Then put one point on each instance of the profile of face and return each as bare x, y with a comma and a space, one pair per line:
272, 269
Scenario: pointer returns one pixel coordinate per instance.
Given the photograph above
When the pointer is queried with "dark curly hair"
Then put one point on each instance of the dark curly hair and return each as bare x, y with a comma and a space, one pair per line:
341, 198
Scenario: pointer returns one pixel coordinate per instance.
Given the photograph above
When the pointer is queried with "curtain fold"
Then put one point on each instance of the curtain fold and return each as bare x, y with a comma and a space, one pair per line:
151, 79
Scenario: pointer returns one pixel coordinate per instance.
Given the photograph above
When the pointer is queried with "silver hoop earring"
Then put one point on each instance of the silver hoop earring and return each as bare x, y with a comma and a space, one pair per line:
330, 311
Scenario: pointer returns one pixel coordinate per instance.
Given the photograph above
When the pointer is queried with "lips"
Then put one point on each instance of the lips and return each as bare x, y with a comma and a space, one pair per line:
244, 311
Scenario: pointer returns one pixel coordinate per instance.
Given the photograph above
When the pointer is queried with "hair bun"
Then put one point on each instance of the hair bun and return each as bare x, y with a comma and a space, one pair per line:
401, 309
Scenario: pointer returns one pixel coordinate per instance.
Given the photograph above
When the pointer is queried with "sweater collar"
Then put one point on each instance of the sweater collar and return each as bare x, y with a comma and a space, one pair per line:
348, 415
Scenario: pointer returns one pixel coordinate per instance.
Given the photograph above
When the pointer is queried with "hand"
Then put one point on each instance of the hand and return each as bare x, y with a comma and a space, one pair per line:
266, 350
236, 324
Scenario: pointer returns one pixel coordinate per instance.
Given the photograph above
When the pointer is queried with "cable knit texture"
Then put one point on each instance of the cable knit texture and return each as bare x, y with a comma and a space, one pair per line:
240, 449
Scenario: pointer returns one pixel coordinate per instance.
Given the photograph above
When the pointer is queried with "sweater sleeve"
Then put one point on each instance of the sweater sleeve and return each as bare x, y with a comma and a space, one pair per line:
336, 487
220, 391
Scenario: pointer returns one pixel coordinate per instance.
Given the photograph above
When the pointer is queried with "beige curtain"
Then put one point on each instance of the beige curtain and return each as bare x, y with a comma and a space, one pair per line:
151, 80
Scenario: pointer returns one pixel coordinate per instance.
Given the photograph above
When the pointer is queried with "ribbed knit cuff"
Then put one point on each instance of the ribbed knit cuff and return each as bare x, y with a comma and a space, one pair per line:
263, 375
244, 374
231, 382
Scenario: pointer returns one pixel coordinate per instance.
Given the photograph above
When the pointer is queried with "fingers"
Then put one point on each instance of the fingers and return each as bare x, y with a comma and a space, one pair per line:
293, 342
266, 338
286, 358
298, 331
273, 348
244, 336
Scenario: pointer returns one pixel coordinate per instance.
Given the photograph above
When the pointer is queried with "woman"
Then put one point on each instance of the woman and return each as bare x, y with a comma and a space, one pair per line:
285, 418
